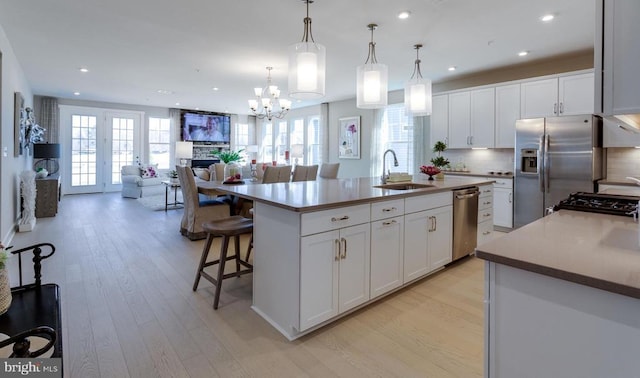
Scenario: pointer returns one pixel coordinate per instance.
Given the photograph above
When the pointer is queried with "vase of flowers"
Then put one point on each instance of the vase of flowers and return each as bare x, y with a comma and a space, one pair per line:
5, 288
439, 161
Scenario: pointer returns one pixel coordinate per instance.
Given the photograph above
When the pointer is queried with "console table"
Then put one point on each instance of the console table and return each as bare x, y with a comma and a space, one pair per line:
47, 196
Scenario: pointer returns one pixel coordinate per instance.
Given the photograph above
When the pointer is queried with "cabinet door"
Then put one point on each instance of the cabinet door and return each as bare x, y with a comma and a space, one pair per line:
387, 240
482, 118
353, 284
459, 119
617, 135
503, 207
539, 98
576, 94
416, 260
319, 259
440, 244
507, 112
440, 119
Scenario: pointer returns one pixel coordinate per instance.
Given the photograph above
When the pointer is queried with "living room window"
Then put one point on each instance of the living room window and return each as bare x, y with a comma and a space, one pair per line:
160, 142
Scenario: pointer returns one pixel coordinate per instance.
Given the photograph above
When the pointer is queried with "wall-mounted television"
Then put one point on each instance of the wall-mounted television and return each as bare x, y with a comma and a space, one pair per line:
197, 126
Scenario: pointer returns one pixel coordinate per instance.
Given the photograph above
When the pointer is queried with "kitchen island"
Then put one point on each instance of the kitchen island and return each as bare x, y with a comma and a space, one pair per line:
329, 247
562, 298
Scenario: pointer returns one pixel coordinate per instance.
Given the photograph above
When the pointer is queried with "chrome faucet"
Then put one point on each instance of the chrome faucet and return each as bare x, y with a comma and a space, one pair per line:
385, 174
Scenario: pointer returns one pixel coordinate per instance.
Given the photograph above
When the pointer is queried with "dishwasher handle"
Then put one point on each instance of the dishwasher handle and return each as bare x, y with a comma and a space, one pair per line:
469, 195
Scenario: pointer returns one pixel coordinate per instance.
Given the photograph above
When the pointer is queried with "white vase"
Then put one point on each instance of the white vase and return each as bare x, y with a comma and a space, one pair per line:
5, 291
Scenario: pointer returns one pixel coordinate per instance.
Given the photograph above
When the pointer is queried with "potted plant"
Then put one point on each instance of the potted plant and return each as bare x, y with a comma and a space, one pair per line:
228, 156
173, 176
439, 161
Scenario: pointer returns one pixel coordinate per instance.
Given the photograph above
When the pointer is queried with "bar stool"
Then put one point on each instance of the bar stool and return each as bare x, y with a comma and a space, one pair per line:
232, 226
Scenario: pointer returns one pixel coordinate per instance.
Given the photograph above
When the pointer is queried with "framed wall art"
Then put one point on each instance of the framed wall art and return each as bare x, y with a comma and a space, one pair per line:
349, 138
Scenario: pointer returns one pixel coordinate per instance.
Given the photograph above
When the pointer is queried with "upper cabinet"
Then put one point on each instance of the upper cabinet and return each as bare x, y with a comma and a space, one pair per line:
507, 113
564, 95
617, 53
472, 119
440, 119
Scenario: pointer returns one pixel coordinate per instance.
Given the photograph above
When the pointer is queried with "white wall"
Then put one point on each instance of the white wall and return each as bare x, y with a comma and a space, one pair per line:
13, 80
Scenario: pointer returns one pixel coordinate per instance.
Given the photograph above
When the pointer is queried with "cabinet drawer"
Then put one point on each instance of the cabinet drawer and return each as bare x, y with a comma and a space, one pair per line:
387, 209
485, 231
486, 190
485, 214
485, 202
325, 220
503, 183
426, 202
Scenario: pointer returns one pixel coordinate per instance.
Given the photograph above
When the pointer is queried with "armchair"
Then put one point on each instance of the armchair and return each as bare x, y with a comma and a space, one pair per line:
134, 186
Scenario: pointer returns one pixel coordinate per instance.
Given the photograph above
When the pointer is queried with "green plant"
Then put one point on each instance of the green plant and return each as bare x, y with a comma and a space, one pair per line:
173, 174
439, 161
228, 156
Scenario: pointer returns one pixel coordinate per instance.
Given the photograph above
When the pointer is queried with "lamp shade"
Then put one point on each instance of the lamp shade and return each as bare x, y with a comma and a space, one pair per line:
46, 150
307, 62
184, 150
372, 82
417, 97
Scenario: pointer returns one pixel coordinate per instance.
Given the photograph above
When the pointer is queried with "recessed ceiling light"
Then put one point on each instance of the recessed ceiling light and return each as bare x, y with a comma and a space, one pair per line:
523, 53
197, 108
177, 104
76, 93
215, 88
452, 68
404, 15
547, 18
164, 91
83, 69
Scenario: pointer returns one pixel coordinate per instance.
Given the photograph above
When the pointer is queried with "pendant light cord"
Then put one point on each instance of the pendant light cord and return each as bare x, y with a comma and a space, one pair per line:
307, 25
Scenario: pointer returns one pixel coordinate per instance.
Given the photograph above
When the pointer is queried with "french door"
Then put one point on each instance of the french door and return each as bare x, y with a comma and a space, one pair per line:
98, 142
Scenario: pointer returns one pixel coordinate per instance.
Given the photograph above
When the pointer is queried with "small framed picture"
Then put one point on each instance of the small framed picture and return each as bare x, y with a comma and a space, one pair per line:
349, 138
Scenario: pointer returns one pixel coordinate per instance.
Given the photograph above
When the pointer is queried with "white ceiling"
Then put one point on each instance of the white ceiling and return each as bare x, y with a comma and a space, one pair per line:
133, 48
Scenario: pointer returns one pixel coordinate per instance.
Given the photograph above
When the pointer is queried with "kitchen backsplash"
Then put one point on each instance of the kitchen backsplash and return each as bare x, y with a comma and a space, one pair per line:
482, 161
622, 162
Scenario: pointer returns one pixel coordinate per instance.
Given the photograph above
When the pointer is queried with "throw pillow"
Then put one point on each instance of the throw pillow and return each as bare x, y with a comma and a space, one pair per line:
202, 173
149, 171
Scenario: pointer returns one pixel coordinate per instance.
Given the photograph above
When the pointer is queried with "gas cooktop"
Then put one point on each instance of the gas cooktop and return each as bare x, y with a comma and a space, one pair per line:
600, 203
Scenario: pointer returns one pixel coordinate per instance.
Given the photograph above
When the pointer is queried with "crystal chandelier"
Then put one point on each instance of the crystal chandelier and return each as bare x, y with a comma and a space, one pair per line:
372, 79
417, 91
307, 65
268, 103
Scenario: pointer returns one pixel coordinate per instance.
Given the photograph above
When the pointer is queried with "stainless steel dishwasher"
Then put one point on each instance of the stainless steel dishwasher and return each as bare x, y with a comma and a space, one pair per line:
465, 221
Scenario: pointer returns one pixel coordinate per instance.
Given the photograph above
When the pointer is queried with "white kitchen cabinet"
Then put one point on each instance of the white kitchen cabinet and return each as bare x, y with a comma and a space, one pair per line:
440, 119
428, 241
387, 255
617, 134
485, 214
334, 273
472, 118
558, 96
507, 112
617, 54
503, 207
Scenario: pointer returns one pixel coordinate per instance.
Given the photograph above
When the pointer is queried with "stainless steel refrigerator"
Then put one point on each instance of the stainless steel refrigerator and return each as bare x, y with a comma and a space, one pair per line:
554, 157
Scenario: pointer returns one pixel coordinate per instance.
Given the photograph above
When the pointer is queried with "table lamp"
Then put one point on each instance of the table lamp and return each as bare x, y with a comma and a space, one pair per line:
297, 152
47, 153
184, 151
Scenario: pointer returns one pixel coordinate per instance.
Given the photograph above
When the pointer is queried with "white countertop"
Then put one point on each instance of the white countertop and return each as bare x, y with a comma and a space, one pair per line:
323, 194
597, 250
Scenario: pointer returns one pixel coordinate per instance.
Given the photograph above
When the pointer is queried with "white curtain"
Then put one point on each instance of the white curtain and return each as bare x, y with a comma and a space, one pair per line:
174, 116
377, 143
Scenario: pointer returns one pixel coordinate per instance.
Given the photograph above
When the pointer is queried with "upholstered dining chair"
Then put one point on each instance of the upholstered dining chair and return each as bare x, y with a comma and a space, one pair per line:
305, 173
329, 170
197, 211
276, 174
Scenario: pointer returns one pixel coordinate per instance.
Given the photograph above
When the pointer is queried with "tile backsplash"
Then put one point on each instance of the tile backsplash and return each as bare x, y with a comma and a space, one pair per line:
482, 161
622, 162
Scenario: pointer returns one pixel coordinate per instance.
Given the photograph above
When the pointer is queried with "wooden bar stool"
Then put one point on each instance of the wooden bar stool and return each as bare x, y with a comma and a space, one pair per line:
233, 226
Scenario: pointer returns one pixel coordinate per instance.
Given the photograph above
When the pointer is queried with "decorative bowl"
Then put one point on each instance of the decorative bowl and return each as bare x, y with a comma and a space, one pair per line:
430, 170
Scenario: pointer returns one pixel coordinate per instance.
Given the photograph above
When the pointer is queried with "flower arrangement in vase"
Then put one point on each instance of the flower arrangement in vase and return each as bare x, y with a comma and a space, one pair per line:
439, 162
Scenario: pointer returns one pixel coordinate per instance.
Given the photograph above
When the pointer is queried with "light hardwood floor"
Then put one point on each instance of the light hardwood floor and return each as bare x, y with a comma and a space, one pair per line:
126, 273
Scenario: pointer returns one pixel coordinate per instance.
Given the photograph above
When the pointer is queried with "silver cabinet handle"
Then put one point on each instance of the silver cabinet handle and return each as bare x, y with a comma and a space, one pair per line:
471, 140
555, 108
486, 233
389, 223
342, 218
337, 255
510, 197
344, 248
486, 203
561, 107
435, 223
388, 210
486, 214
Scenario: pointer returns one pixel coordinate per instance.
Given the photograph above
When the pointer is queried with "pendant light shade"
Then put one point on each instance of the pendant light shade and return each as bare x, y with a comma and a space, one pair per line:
307, 65
417, 91
372, 79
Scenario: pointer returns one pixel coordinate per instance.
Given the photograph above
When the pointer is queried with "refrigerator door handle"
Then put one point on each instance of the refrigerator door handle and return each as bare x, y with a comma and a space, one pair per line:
541, 164
546, 161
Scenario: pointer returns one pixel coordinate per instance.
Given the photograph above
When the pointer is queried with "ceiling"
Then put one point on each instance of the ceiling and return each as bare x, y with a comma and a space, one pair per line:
134, 50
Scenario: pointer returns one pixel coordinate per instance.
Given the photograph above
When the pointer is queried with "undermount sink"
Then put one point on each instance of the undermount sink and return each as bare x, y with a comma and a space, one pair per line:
404, 186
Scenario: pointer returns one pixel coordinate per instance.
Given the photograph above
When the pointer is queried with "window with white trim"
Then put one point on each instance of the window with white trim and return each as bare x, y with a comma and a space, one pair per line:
160, 142
397, 134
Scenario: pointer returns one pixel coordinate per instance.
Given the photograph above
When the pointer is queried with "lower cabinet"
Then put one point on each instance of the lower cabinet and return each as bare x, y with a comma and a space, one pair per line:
387, 255
334, 273
427, 241
485, 213
503, 207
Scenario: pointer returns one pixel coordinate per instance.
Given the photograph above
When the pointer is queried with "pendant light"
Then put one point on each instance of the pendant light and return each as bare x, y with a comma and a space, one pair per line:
306, 65
372, 79
417, 91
